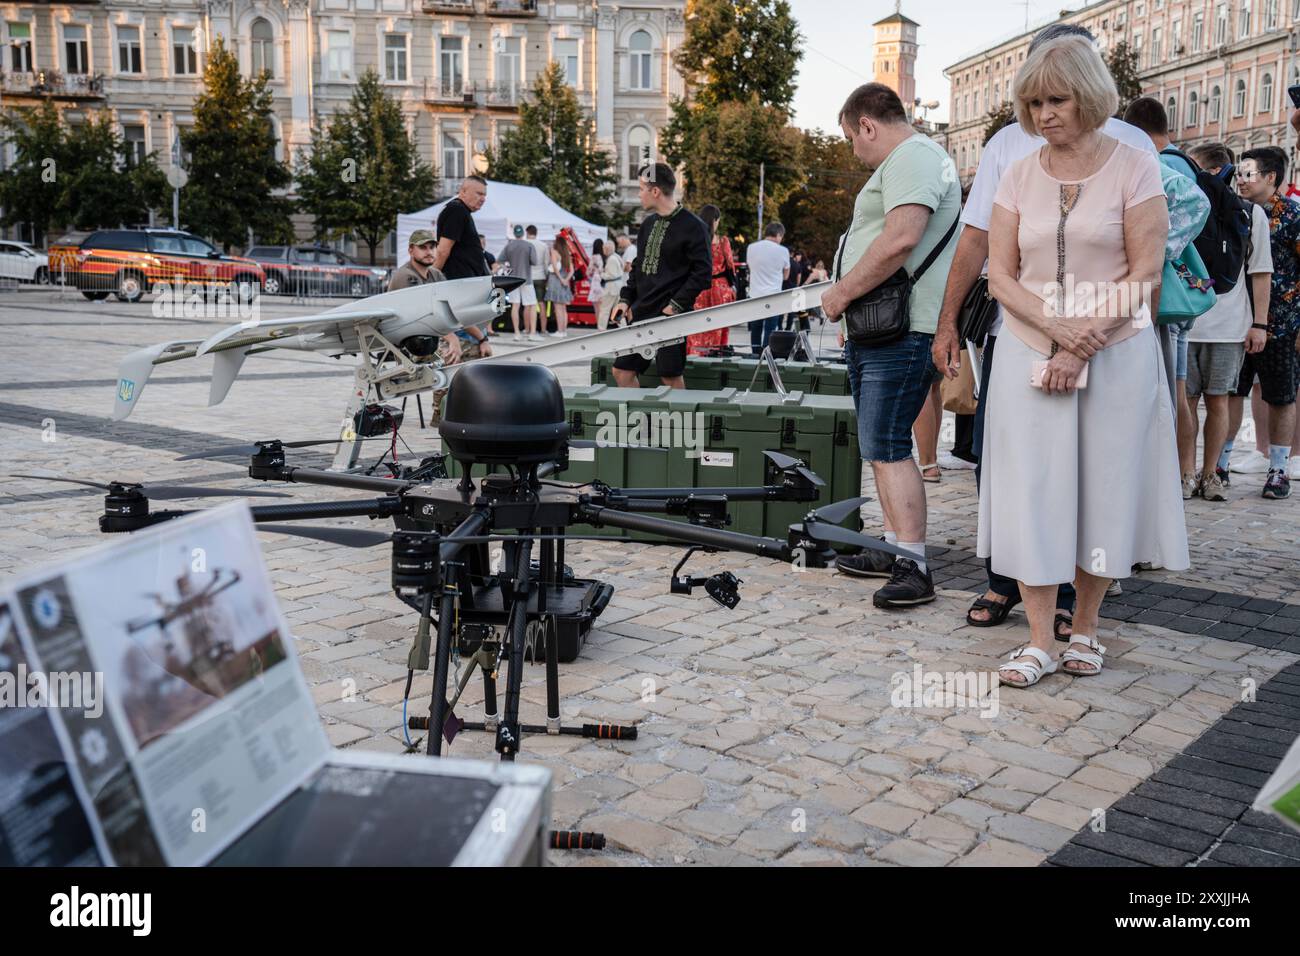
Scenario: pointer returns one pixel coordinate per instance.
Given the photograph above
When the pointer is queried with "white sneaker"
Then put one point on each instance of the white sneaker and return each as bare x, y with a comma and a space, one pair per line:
534, 337
950, 462
1293, 469
1253, 464
553, 335
517, 338
1114, 588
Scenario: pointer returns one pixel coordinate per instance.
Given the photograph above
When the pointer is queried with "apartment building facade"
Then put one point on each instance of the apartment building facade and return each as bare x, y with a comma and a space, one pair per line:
459, 68
1220, 67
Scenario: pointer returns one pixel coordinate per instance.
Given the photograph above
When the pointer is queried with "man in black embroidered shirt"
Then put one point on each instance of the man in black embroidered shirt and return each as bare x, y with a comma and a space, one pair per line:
674, 264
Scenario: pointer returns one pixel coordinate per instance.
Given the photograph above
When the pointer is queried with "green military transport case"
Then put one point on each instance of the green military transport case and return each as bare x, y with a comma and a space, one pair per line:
743, 374
715, 439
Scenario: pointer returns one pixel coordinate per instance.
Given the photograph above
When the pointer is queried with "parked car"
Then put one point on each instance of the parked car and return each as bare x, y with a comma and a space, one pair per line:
25, 263
316, 270
130, 262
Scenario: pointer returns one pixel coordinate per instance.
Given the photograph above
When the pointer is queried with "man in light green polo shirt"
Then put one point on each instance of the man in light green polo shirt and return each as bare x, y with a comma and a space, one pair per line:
907, 210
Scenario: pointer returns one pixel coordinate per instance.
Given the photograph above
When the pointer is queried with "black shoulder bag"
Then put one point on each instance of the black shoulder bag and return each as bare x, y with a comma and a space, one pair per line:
881, 316
978, 311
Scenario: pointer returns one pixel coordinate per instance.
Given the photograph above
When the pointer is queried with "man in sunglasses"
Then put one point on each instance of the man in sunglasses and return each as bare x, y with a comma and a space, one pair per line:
1261, 178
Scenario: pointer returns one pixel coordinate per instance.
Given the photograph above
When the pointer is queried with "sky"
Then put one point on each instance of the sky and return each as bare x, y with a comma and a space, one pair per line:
837, 46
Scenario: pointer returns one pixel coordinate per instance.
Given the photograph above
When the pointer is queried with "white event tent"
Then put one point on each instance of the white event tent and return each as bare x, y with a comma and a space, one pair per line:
507, 205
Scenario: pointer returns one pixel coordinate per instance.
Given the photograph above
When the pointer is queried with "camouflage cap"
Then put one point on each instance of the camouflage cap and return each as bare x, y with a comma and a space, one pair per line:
420, 237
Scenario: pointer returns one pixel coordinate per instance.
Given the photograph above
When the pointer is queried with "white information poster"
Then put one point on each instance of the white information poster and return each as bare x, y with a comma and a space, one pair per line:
202, 720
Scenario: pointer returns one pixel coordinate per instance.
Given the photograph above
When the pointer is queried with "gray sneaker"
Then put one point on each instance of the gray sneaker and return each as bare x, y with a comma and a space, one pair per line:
1191, 486
1212, 488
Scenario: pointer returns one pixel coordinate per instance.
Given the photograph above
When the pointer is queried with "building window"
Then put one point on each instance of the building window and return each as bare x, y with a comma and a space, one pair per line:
1243, 20
185, 59
1139, 9
1270, 14
1221, 24
1198, 32
262, 48
976, 102
395, 57
451, 60
20, 47
1239, 98
133, 145
1176, 38
128, 49
453, 155
1171, 108
509, 64
997, 93
565, 53
1193, 108
639, 46
1266, 93
1157, 45
638, 150
1216, 104
76, 49
338, 54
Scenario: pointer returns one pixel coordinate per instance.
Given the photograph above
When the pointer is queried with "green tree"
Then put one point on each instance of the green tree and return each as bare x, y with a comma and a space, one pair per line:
103, 188
997, 119
234, 174
363, 169
1124, 65
721, 149
736, 49
31, 190
834, 178
553, 147
74, 176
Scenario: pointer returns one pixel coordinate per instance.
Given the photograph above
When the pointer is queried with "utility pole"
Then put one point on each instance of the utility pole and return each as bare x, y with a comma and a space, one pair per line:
762, 178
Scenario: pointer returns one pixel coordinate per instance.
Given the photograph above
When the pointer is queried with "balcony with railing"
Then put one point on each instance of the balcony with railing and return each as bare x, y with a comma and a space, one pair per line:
447, 6
504, 94
512, 8
51, 83
450, 91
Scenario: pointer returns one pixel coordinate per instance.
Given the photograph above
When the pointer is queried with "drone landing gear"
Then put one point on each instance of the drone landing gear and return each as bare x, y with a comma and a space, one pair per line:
524, 596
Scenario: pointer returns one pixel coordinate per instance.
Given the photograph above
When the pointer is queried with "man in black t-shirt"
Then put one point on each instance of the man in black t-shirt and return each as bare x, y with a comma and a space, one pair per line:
674, 264
460, 256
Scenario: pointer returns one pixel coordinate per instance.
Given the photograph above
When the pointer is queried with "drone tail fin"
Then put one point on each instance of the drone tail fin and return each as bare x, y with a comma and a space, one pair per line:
133, 374
228, 364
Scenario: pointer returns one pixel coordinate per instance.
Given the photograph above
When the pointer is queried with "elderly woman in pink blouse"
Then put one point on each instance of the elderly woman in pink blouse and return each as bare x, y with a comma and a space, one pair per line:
1081, 476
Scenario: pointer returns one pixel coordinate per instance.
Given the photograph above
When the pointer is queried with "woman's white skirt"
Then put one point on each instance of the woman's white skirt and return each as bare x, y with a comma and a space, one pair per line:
1090, 478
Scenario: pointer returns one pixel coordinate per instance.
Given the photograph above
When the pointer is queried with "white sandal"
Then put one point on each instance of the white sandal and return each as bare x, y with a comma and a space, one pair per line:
1091, 657
1041, 666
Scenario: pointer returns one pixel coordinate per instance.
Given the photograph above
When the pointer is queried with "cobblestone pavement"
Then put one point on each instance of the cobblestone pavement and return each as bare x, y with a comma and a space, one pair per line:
767, 733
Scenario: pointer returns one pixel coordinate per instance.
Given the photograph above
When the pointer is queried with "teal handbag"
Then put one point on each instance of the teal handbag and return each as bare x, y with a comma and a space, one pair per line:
1186, 289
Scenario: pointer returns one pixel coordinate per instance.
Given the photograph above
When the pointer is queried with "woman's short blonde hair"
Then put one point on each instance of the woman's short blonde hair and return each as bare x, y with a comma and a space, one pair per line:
1070, 66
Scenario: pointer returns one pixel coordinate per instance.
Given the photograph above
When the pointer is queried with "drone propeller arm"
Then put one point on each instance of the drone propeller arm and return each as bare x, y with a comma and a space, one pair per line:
335, 479
688, 533
371, 508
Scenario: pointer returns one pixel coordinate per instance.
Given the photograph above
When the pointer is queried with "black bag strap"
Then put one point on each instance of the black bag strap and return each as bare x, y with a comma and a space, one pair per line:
929, 260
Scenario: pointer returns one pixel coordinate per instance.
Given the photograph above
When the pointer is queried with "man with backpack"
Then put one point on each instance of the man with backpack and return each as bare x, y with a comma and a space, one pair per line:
1221, 338
1222, 246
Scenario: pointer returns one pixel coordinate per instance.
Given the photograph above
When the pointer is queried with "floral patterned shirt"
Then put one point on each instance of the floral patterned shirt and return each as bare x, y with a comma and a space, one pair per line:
1284, 296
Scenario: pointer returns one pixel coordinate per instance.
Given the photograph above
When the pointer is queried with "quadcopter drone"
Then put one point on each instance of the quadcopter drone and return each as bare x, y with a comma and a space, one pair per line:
507, 421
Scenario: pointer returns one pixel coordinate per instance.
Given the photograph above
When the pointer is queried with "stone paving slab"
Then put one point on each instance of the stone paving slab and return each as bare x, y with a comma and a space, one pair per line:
778, 732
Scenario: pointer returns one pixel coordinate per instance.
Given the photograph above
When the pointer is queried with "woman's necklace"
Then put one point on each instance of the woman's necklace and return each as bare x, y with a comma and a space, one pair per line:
1091, 162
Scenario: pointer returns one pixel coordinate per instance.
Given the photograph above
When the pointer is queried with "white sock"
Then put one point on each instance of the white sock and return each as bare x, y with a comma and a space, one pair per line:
891, 538
916, 548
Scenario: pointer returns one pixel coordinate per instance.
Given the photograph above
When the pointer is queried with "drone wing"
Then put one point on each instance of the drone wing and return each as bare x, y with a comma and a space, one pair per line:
262, 331
133, 374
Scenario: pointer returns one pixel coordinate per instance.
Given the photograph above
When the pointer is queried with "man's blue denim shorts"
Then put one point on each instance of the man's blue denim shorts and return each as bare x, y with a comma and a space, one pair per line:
889, 387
